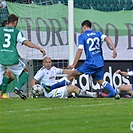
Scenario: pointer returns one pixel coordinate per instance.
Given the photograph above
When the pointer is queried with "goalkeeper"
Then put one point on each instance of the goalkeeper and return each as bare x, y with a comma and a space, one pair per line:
47, 76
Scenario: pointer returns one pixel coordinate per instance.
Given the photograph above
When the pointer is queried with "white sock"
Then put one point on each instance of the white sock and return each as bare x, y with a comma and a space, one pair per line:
117, 90
91, 94
86, 93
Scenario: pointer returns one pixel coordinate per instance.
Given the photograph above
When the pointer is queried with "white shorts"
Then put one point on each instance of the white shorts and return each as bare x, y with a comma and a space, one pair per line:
57, 93
16, 69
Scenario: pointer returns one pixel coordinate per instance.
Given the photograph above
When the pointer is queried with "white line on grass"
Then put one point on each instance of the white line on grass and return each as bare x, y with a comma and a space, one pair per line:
70, 106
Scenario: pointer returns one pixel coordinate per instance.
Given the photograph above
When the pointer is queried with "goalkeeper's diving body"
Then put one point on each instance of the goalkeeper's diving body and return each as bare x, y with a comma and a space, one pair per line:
47, 76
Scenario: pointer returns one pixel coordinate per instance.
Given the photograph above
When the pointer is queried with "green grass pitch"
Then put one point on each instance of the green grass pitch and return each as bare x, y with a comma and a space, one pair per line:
73, 115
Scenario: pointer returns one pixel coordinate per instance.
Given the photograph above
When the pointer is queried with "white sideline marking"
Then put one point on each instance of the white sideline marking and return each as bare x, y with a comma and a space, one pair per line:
70, 106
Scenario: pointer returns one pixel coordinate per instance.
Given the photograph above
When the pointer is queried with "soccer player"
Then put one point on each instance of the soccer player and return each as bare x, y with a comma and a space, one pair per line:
9, 58
127, 87
8, 76
91, 42
47, 76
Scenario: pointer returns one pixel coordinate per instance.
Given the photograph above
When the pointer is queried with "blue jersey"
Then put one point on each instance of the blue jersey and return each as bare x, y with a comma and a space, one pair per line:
91, 42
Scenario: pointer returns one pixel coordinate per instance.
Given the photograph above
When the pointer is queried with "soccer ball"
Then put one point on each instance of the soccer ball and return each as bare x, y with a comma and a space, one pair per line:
37, 90
117, 96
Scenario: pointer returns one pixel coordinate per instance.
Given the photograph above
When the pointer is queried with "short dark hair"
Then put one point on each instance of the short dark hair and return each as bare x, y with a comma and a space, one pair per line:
4, 23
87, 23
12, 18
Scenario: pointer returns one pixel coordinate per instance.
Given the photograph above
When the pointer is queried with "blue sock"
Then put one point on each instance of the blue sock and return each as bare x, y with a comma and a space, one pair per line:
58, 85
110, 88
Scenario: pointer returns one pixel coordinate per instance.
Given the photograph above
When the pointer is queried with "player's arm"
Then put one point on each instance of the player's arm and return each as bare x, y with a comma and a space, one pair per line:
37, 78
33, 82
32, 45
112, 46
77, 57
79, 52
23, 40
123, 73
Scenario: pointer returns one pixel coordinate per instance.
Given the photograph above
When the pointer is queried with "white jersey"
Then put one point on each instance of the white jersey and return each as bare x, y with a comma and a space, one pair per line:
130, 73
48, 77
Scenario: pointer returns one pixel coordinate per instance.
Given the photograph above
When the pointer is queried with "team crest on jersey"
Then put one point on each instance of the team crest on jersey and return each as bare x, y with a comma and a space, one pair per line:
91, 34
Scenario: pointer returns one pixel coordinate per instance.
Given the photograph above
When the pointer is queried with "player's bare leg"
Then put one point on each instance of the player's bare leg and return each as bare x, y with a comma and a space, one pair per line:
126, 88
80, 93
9, 74
8, 77
73, 74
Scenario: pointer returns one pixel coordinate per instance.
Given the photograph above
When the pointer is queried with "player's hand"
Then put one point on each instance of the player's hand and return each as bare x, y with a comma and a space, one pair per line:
71, 66
42, 51
118, 72
114, 53
122, 73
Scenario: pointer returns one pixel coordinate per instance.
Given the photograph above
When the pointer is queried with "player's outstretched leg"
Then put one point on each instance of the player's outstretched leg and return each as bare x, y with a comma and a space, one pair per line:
22, 80
62, 82
106, 85
126, 88
79, 92
83, 93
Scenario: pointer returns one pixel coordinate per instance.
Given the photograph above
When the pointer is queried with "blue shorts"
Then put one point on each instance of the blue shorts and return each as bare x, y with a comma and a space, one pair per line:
96, 73
132, 87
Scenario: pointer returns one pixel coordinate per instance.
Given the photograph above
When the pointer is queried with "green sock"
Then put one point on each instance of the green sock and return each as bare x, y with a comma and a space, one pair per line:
4, 84
22, 80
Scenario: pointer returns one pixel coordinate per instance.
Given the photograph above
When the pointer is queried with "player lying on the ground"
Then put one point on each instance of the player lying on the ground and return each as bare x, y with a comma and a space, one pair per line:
127, 87
47, 76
